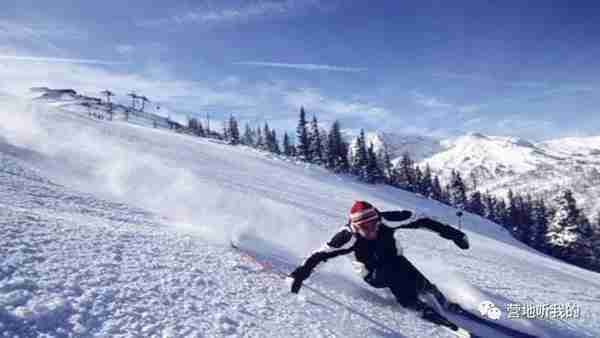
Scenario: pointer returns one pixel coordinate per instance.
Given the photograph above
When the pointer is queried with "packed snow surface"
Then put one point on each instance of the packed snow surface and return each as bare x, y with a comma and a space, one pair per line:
112, 229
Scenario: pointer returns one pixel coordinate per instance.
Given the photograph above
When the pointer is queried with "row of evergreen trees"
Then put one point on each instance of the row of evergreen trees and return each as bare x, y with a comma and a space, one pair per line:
561, 229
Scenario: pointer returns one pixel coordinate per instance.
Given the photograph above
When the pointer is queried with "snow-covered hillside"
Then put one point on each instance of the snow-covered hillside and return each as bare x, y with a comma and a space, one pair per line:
501, 163
113, 229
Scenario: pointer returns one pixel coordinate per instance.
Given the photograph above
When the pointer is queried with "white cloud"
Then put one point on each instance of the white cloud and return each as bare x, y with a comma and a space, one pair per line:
57, 60
302, 66
17, 77
124, 49
243, 13
434, 103
335, 108
230, 81
277, 102
26, 31
430, 101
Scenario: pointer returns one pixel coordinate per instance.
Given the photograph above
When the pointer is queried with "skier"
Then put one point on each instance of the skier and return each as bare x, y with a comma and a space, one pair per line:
379, 258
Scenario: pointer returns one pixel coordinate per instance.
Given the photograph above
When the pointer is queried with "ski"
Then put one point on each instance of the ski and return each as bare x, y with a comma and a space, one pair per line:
439, 300
434, 317
456, 309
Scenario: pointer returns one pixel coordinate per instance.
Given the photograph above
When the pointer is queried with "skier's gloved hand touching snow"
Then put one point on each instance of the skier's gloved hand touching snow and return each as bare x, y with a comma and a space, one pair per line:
458, 237
298, 276
462, 241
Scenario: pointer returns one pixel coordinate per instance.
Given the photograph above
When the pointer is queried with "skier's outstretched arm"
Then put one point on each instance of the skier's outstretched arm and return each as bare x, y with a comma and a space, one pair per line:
445, 231
340, 244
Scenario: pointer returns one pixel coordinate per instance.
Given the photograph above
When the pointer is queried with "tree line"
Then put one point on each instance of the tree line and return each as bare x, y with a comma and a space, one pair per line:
559, 227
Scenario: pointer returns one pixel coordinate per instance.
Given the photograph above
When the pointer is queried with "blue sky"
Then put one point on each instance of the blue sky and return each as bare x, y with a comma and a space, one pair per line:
441, 68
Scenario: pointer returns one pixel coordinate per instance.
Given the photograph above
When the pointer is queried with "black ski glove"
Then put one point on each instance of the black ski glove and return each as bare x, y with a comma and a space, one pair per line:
462, 241
458, 237
299, 275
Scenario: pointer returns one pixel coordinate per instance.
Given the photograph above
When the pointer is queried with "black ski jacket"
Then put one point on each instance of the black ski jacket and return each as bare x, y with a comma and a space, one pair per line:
371, 255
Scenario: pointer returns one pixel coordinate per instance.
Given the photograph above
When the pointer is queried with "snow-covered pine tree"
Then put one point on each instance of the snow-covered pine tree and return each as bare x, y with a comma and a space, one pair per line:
565, 235
303, 145
315, 143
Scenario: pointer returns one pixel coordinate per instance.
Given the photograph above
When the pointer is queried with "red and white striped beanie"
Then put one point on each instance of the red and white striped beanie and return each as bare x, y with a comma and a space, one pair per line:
362, 212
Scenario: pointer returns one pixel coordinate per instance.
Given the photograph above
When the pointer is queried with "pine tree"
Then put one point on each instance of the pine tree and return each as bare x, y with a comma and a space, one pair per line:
248, 138
315, 142
192, 122
360, 158
234, 132
331, 155
267, 138
539, 227
527, 222
419, 186
489, 203
287, 147
475, 204
512, 212
259, 143
436, 190
406, 173
595, 240
200, 130
427, 184
344, 157
373, 172
566, 238
226, 132
337, 154
458, 191
387, 166
303, 145
275, 143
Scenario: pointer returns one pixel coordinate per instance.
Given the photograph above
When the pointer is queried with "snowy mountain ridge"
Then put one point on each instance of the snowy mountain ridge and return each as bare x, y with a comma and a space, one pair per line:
499, 163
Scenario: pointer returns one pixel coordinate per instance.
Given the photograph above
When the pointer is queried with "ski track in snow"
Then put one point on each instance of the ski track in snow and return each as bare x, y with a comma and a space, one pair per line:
121, 230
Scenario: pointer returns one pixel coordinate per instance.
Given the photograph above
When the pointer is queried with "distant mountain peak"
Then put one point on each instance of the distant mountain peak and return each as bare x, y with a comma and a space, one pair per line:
477, 135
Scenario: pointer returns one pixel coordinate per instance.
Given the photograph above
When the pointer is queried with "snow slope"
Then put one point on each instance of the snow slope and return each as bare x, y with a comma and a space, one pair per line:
112, 229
